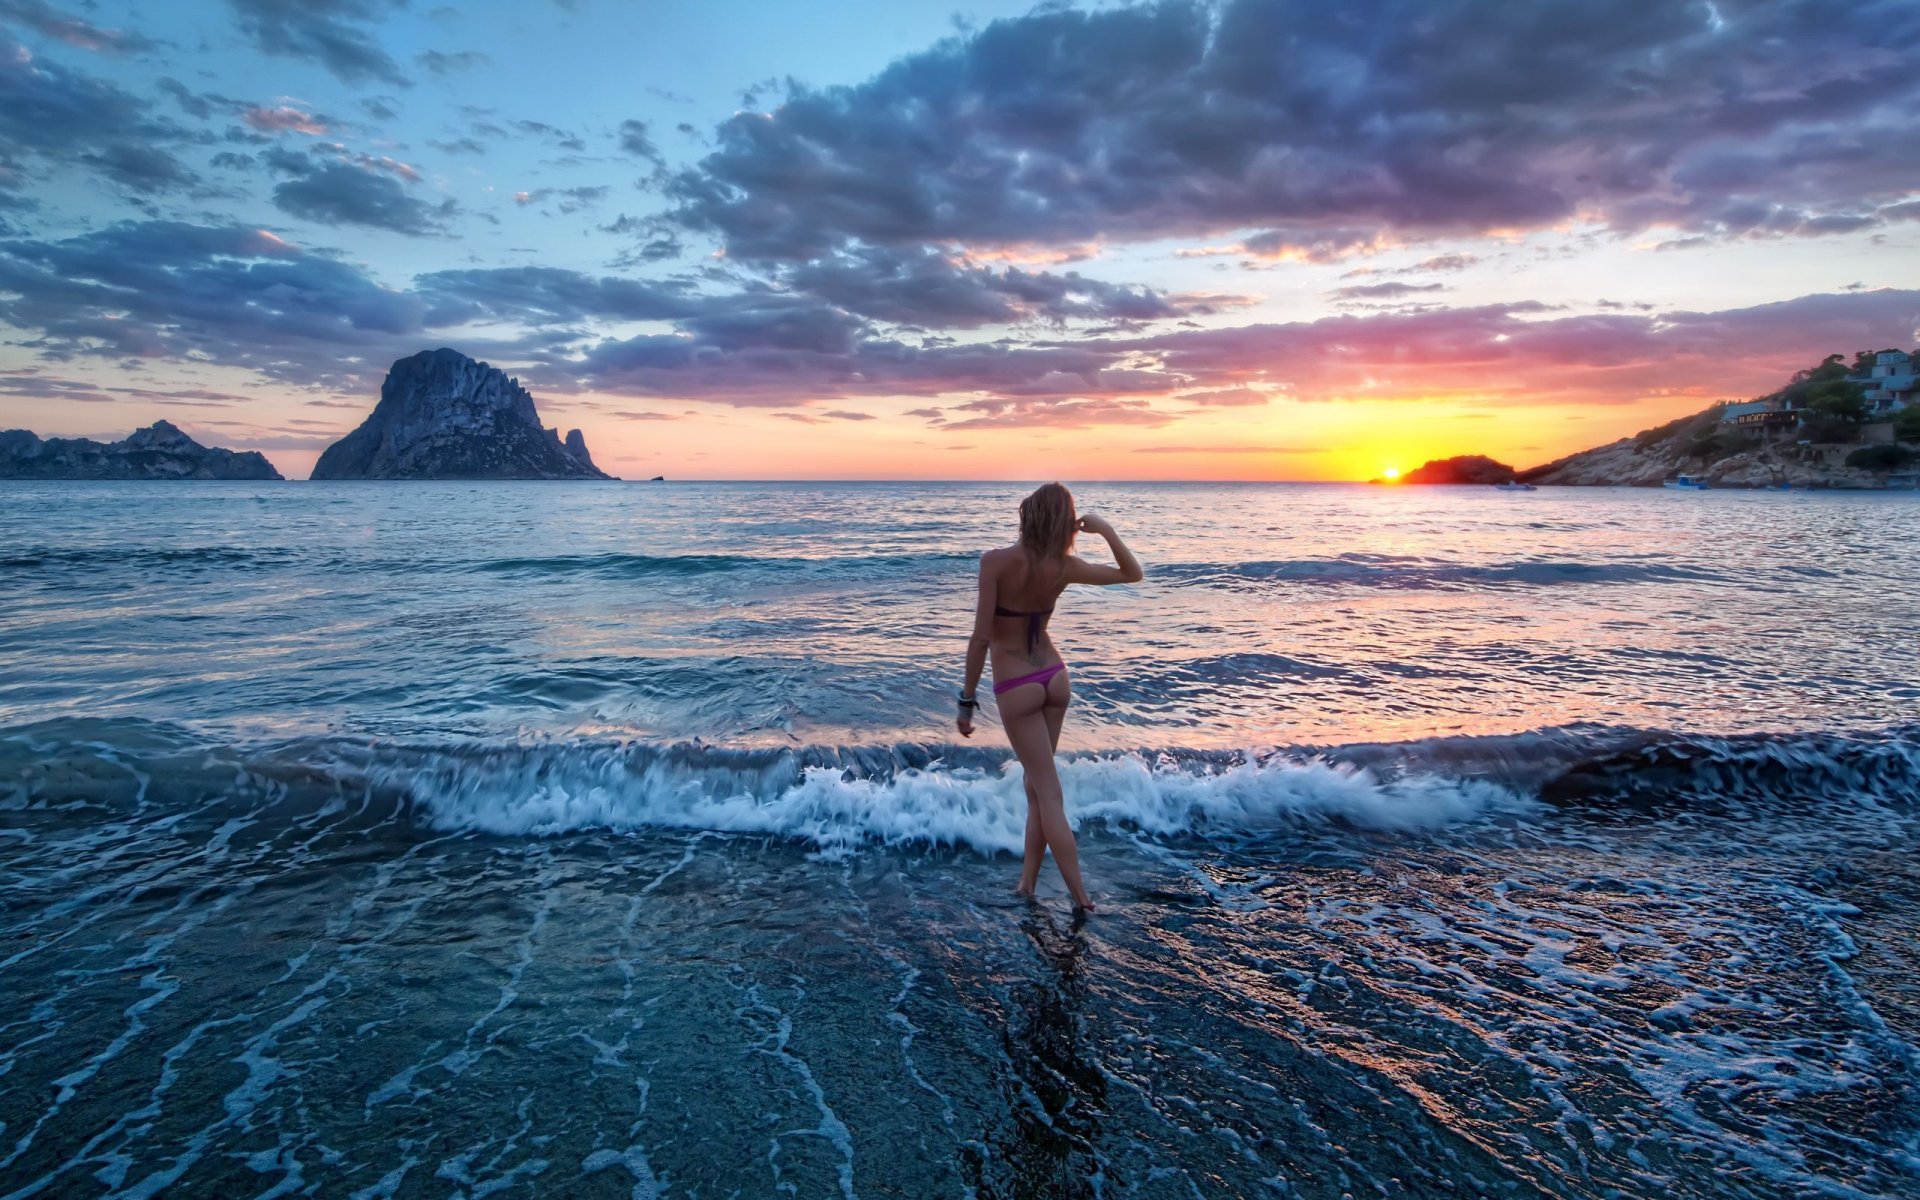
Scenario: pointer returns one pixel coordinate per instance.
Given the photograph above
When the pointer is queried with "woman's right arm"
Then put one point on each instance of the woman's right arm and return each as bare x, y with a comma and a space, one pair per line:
1127, 568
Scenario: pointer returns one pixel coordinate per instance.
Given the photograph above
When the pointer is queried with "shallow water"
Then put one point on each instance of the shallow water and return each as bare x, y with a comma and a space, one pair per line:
609, 840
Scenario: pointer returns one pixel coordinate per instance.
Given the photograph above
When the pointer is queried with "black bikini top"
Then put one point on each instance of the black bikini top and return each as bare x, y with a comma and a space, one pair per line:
1036, 622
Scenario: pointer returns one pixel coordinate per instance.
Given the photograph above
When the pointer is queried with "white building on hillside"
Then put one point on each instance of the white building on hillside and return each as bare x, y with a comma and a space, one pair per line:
1890, 381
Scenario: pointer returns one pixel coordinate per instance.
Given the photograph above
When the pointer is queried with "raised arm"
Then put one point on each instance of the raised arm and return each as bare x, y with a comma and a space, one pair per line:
1127, 568
978, 643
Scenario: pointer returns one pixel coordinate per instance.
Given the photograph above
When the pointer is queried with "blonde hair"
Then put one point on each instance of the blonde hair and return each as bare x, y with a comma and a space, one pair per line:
1047, 522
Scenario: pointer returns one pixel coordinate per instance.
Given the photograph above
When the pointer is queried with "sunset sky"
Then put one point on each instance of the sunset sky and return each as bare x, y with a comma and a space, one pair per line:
886, 239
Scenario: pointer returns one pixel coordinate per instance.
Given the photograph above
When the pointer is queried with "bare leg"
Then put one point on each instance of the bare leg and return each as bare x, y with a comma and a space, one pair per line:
1036, 849
1055, 714
1033, 741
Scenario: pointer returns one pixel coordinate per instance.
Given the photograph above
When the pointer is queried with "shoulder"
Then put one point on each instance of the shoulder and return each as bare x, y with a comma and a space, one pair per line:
995, 560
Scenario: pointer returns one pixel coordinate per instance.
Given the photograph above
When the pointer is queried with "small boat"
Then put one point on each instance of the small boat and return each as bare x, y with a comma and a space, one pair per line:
1514, 486
1686, 483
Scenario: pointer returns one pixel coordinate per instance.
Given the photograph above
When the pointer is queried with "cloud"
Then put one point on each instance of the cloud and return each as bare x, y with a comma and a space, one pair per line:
1334, 130
635, 140
48, 21
1238, 448
559, 137
1226, 398
285, 119
29, 382
326, 32
1383, 291
141, 168
333, 188
1441, 262
1058, 414
441, 63
572, 200
946, 291
62, 116
244, 297
232, 296
549, 296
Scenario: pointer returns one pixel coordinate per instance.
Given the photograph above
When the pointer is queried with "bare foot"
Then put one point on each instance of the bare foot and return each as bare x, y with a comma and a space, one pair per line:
1025, 893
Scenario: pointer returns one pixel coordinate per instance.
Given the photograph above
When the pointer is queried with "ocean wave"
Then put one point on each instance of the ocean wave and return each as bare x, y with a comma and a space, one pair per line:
118, 558
643, 566
1417, 573
837, 799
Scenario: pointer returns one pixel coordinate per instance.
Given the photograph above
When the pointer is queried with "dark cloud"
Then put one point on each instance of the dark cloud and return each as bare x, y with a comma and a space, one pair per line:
635, 140
141, 168
330, 33
193, 103
571, 200
30, 382
442, 63
549, 296
334, 188
1382, 291
559, 137
242, 297
48, 21
63, 116
232, 296
1335, 128
927, 287
465, 145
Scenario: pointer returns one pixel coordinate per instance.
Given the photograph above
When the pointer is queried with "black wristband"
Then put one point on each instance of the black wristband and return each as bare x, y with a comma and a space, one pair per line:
969, 702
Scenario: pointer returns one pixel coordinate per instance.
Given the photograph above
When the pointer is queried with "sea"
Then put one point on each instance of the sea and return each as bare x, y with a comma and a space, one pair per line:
581, 840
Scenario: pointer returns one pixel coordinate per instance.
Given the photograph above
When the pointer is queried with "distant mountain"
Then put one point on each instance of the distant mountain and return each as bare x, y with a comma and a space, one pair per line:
160, 451
442, 415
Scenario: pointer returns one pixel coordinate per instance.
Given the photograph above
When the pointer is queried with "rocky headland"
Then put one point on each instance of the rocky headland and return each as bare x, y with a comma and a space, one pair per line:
1703, 447
160, 451
1831, 426
443, 415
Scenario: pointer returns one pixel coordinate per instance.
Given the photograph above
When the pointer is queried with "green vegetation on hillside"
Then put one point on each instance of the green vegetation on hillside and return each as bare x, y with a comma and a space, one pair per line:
1888, 456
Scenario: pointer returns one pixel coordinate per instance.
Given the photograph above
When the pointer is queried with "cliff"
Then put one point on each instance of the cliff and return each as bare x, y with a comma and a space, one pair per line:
442, 415
160, 451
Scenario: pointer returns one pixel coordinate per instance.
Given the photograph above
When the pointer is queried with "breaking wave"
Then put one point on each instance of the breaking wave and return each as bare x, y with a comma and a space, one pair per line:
838, 799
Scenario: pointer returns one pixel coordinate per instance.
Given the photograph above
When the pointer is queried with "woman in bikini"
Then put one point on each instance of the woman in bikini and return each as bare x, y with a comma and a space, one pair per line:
1018, 587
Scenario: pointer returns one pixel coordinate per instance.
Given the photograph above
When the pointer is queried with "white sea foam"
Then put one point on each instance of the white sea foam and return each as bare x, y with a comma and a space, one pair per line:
983, 808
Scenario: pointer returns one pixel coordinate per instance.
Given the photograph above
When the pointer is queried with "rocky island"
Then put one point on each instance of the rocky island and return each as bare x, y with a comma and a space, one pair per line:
160, 451
1464, 468
443, 415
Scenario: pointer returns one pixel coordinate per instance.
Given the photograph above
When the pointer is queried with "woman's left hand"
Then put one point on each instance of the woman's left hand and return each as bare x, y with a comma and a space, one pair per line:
965, 724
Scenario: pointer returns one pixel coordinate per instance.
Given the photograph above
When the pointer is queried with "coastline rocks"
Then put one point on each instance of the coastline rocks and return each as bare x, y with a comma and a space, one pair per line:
442, 415
1634, 462
160, 451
